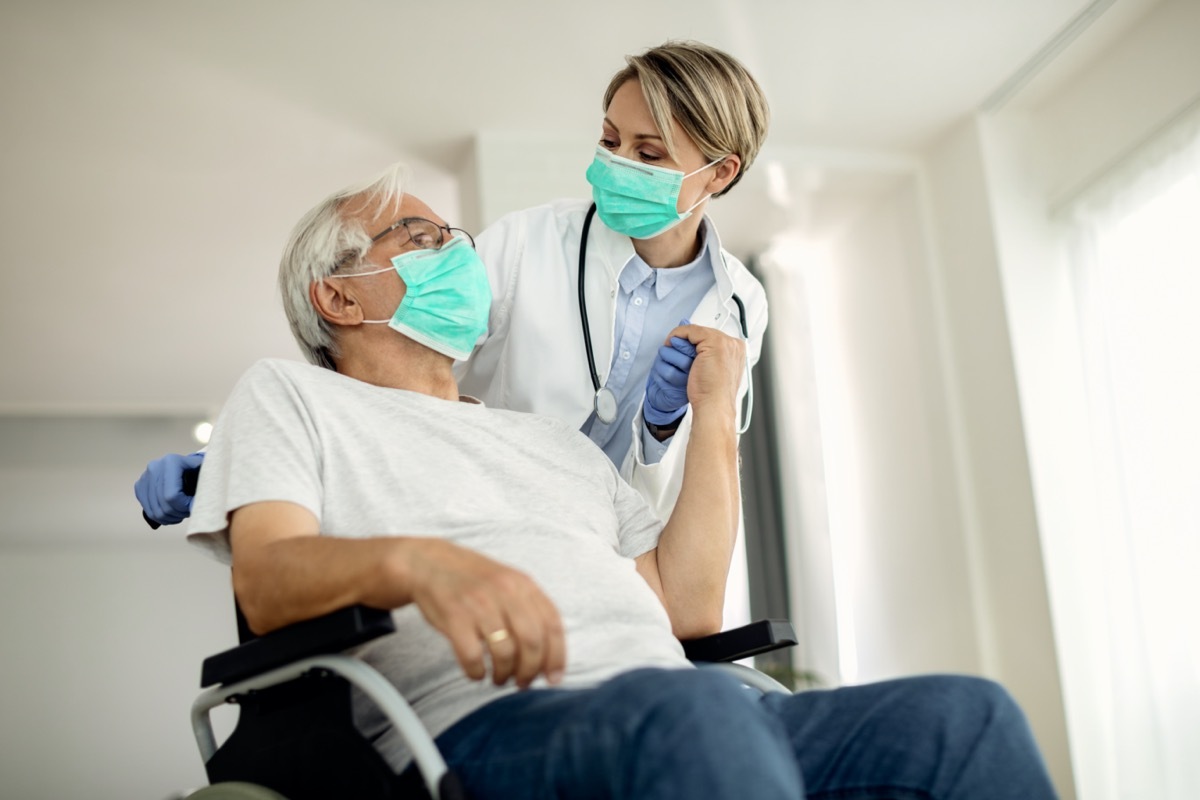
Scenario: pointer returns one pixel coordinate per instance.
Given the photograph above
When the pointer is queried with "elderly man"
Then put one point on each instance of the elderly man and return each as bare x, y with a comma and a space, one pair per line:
510, 549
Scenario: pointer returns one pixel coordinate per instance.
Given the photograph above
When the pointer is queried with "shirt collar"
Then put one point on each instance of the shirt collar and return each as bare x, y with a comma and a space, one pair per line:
637, 271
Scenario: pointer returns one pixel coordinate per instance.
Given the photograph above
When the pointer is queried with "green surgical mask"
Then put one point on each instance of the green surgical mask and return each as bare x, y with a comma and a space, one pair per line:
638, 200
447, 297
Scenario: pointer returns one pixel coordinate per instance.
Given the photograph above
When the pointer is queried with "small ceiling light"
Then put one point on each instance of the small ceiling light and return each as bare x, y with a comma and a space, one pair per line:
202, 432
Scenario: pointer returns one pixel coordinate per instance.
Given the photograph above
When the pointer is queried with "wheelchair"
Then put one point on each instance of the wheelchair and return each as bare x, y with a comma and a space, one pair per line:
295, 738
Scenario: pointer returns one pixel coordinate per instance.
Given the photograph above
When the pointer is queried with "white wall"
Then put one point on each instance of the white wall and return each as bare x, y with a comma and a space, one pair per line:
102, 652
140, 259
1086, 125
1000, 523
932, 537
172, 187
1038, 156
103, 621
911, 598
511, 170
933, 541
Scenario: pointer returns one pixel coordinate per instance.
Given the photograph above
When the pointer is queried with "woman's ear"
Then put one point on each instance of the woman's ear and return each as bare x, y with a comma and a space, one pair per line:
335, 305
724, 173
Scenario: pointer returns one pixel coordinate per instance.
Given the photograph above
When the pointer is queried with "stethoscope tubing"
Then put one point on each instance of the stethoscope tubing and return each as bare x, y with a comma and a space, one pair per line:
587, 332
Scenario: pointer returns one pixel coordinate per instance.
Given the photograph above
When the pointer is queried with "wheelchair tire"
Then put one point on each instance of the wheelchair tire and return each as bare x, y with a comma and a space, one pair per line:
451, 788
235, 790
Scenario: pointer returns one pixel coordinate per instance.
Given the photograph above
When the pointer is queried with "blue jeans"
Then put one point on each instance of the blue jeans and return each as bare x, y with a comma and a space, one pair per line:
700, 734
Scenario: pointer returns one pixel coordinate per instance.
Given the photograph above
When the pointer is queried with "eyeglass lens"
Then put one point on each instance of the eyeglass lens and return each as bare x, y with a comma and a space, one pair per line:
423, 233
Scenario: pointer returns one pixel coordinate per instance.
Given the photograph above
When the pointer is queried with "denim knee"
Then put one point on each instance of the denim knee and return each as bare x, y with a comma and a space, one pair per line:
974, 692
941, 736
987, 736
673, 701
963, 701
703, 733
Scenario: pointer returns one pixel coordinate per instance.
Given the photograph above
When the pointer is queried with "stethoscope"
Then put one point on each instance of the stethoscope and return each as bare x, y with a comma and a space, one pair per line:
605, 402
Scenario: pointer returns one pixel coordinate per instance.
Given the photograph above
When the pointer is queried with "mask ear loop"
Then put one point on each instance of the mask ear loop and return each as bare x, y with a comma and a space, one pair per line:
360, 275
706, 166
696, 172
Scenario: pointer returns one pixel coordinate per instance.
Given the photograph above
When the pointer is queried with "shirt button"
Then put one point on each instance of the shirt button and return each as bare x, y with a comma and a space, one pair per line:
637, 301
625, 354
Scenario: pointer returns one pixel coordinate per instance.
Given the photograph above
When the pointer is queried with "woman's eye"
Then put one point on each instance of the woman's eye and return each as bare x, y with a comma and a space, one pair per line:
608, 143
650, 156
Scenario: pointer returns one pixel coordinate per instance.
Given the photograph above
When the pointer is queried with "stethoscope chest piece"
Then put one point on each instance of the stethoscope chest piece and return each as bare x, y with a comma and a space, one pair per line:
606, 405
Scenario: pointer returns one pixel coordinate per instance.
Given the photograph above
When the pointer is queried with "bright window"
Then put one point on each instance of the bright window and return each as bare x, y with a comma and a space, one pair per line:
1136, 265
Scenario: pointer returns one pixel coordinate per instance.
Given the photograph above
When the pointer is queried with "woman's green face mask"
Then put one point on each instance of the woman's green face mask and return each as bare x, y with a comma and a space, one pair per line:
638, 200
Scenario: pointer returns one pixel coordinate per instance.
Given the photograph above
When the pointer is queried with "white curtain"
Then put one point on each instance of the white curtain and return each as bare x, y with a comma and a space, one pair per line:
1135, 261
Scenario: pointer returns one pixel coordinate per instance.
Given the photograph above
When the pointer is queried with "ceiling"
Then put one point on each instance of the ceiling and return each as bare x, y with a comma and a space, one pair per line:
153, 155
863, 74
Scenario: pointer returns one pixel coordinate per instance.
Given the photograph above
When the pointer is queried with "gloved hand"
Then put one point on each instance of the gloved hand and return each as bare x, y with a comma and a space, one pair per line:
666, 385
160, 489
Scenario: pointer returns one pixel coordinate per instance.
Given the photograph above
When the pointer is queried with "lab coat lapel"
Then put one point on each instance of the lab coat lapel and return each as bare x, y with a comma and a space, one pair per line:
715, 309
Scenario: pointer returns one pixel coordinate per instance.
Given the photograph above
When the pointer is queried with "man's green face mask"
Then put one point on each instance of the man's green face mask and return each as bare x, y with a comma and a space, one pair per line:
447, 297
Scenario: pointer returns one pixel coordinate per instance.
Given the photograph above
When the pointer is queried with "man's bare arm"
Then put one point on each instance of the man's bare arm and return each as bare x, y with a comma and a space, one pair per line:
690, 567
284, 572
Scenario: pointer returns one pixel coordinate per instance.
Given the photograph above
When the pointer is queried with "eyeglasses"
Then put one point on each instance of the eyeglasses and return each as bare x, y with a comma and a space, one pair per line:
424, 234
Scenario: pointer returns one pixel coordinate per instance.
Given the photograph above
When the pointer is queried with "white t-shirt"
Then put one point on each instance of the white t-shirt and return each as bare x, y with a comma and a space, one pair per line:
526, 490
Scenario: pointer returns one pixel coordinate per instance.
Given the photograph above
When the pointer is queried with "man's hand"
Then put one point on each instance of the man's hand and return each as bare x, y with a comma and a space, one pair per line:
284, 571
717, 369
479, 604
160, 488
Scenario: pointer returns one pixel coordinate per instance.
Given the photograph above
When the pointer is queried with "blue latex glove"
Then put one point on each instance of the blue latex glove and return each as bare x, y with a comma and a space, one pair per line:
160, 489
666, 385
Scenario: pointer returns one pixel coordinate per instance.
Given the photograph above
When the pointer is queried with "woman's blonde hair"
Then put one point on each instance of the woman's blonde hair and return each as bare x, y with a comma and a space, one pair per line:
714, 98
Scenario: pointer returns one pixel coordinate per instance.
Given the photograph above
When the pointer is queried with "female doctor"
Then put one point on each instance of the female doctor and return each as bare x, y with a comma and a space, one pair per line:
593, 302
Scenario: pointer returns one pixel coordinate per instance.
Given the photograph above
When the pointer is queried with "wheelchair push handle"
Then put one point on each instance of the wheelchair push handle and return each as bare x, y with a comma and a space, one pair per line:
191, 477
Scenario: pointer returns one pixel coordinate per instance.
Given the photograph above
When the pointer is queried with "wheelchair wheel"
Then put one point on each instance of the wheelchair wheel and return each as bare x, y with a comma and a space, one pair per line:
235, 790
451, 788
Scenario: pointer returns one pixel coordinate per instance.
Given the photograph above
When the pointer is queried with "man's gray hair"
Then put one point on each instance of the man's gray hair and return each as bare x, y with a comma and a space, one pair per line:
324, 240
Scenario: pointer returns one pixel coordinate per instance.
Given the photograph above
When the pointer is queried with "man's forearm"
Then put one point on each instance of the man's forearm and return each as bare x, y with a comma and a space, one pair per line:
696, 545
284, 572
298, 578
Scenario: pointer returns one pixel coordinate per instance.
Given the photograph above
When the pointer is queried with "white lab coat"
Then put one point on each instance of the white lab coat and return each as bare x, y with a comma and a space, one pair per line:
533, 357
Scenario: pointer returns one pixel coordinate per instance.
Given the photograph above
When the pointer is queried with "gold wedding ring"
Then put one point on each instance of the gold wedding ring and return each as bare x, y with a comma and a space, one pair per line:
496, 637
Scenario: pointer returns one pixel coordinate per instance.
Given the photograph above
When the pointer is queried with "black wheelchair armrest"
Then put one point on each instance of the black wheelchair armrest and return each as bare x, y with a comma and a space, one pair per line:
337, 631
754, 639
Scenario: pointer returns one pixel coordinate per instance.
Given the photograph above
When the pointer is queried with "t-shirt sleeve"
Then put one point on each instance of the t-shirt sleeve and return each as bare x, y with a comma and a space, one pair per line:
263, 448
638, 528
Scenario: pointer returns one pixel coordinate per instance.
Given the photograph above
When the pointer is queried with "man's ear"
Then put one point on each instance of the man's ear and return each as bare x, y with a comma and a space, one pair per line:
335, 305
724, 173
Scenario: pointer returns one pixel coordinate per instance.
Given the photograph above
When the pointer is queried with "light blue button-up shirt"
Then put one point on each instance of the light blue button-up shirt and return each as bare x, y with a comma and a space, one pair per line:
651, 303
